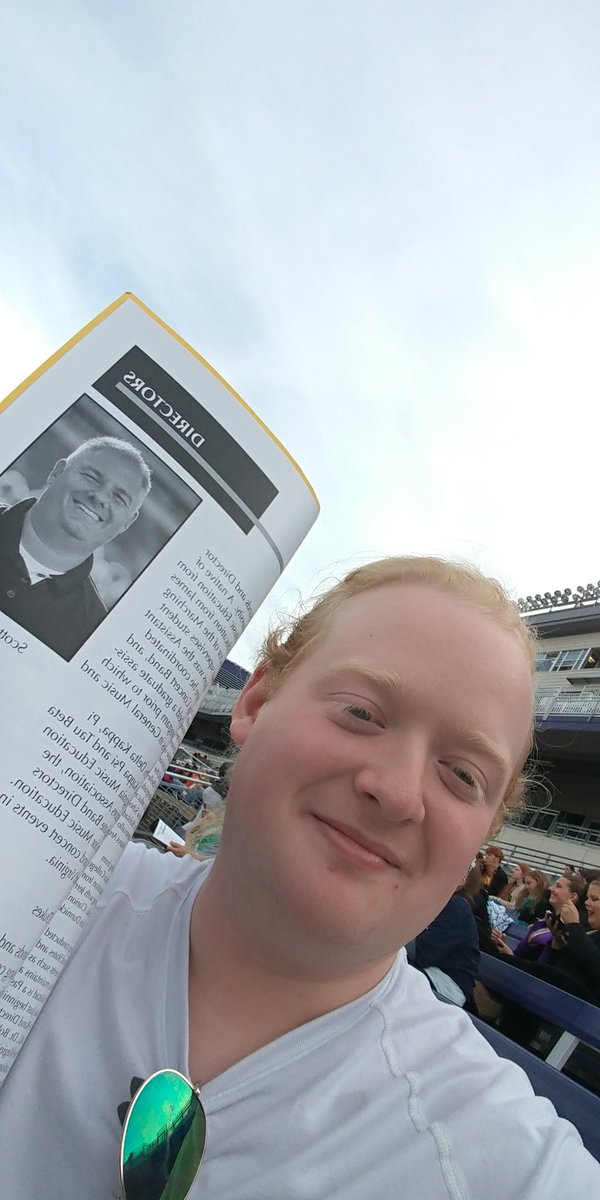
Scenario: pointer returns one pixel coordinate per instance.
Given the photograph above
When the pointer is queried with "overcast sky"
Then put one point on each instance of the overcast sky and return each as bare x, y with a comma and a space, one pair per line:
380, 222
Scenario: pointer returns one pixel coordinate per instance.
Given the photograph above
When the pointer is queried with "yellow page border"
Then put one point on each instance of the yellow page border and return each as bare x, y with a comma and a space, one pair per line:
106, 312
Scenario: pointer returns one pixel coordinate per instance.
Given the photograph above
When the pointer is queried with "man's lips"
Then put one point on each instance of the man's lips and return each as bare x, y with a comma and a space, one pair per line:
376, 852
88, 512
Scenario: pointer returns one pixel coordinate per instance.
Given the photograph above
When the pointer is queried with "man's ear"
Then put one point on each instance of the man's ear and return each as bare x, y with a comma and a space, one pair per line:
57, 470
130, 521
249, 703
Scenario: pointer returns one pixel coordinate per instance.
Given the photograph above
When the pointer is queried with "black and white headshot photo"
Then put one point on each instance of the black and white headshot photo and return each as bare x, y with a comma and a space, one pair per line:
83, 511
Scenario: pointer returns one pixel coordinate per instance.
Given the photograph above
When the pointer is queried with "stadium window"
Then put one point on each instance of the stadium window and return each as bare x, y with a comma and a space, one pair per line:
571, 818
543, 819
546, 660
592, 661
570, 660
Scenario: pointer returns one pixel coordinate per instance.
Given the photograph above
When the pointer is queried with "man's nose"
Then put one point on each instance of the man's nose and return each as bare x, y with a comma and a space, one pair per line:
396, 784
100, 493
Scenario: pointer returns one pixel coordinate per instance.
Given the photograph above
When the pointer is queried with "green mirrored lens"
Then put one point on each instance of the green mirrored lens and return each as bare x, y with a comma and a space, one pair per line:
163, 1139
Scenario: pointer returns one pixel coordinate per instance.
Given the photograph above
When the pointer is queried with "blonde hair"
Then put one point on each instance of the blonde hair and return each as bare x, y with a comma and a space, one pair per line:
286, 645
204, 834
514, 888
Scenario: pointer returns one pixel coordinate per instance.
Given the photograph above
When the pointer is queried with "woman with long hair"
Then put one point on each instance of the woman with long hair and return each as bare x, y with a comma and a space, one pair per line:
535, 883
515, 888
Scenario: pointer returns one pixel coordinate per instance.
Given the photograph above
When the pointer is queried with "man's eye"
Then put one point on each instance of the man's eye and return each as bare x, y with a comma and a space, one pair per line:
359, 713
465, 776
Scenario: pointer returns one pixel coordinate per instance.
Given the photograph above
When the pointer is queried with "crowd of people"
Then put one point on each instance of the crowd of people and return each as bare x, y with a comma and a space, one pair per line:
561, 943
561, 946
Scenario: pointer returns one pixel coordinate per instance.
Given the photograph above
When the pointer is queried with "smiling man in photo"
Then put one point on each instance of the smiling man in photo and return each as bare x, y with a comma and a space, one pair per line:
47, 544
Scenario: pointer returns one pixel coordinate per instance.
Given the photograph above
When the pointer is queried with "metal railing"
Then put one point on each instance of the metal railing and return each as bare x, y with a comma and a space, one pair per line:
219, 701
546, 821
564, 702
541, 860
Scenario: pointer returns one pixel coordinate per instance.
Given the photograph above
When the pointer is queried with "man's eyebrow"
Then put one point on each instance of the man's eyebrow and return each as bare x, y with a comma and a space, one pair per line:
391, 683
476, 740
388, 682
121, 491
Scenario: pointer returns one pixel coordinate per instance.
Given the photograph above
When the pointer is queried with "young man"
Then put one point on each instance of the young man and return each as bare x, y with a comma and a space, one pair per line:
379, 741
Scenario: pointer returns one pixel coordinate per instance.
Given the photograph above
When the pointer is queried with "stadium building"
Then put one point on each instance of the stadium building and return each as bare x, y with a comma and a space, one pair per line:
211, 723
561, 822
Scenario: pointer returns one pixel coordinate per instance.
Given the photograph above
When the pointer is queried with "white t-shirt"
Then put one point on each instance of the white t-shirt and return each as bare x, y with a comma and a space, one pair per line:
394, 1095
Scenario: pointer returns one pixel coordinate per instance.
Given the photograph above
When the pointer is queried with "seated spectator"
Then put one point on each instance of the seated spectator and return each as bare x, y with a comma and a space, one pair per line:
203, 833
202, 836
575, 950
568, 888
515, 888
478, 901
489, 913
448, 949
171, 783
495, 879
195, 796
215, 794
565, 897
587, 875
535, 885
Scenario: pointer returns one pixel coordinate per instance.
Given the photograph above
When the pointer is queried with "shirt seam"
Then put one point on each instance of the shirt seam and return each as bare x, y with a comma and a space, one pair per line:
437, 1129
180, 887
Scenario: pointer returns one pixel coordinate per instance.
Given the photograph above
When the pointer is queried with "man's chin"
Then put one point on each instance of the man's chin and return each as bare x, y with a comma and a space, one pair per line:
74, 537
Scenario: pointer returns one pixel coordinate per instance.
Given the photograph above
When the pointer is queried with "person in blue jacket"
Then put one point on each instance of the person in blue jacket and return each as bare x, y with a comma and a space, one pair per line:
448, 949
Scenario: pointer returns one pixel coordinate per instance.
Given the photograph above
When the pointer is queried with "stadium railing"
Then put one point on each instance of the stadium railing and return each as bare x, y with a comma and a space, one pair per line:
570, 1099
579, 1020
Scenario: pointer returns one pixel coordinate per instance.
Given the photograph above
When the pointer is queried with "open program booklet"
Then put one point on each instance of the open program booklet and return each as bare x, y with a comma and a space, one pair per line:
145, 512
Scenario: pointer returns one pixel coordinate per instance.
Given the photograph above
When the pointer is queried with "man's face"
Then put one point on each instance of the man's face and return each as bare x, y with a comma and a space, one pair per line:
90, 499
366, 783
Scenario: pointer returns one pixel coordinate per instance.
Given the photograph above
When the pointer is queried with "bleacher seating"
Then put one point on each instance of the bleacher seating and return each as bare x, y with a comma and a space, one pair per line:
570, 1099
578, 1019
165, 807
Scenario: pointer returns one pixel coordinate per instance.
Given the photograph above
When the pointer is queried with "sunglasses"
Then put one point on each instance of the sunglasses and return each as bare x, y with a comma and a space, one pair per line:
163, 1140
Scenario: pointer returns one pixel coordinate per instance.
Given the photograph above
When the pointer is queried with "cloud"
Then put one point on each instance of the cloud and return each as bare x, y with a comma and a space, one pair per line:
379, 223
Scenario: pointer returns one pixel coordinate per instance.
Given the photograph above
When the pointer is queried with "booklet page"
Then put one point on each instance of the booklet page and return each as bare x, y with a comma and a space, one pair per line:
145, 512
